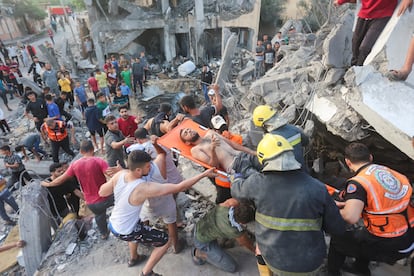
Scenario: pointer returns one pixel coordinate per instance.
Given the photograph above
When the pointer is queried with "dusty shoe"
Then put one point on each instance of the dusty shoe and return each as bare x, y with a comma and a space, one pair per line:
152, 273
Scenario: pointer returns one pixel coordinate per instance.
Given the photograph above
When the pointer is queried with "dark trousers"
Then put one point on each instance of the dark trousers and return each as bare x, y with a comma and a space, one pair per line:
365, 35
366, 247
15, 177
6, 197
138, 78
4, 126
99, 209
222, 194
64, 144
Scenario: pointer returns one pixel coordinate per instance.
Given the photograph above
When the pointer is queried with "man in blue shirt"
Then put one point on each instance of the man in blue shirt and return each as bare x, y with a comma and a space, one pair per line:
52, 108
80, 96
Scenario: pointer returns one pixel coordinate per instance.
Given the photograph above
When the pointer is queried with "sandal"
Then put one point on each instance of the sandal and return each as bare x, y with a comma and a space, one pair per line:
104, 236
196, 260
152, 273
395, 75
134, 262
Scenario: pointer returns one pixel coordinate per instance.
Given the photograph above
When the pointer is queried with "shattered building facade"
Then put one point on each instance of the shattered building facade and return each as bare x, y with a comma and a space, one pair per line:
166, 29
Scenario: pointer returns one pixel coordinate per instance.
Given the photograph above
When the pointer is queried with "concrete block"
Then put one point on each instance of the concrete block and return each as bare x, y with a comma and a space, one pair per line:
34, 225
337, 46
333, 76
290, 113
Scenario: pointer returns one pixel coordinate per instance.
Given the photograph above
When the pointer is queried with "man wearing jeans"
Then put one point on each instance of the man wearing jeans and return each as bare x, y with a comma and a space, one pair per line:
6, 197
91, 173
226, 220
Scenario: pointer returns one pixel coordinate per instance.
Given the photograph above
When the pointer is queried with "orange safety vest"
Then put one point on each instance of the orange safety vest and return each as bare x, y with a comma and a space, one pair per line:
58, 133
388, 212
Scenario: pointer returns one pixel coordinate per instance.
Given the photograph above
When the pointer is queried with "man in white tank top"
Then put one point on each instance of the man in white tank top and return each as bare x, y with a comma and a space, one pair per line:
131, 190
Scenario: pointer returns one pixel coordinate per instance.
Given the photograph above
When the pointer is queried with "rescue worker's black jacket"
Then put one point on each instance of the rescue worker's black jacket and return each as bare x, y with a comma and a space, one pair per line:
293, 212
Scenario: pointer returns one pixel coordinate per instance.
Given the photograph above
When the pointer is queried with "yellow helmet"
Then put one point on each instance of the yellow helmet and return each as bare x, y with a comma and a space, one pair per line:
270, 146
261, 114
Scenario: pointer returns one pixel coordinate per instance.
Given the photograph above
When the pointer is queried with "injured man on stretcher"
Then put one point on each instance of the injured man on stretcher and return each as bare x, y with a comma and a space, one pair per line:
217, 151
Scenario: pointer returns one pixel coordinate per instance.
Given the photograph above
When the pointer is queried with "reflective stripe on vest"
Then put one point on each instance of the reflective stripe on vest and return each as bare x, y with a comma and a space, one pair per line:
286, 224
294, 140
287, 273
57, 134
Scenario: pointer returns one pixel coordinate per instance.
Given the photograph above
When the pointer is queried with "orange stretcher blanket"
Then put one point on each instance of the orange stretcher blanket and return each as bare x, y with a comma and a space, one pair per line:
173, 141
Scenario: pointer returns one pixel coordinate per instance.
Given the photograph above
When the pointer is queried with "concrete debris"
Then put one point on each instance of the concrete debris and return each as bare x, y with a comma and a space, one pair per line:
186, 68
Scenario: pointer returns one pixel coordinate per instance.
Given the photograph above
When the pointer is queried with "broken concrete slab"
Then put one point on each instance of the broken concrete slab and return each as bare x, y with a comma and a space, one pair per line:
338, 45
393, 43
34, 225
386, 106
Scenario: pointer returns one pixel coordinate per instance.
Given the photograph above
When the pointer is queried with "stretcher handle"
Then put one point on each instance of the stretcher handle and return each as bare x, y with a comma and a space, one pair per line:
216, 170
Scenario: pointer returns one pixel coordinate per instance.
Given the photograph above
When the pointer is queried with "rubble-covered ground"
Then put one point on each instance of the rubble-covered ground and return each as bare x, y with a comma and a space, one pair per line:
300, 75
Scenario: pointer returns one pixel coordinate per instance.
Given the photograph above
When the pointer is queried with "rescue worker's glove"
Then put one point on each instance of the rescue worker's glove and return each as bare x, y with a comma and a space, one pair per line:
234, 176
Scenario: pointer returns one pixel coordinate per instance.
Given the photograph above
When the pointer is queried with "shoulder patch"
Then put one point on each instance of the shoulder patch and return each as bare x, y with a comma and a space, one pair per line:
351, 188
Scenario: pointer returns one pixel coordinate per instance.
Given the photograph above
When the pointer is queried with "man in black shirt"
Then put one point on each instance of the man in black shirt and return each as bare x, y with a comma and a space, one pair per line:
64, 198
206, 80
201, 116
138, 75
60, 101
36, 109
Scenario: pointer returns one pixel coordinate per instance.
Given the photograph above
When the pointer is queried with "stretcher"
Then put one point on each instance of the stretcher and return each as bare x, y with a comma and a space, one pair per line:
173, 141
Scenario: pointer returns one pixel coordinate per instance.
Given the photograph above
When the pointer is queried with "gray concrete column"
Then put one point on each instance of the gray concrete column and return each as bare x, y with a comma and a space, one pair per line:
98, 48
169, 37
199, 30
34, 224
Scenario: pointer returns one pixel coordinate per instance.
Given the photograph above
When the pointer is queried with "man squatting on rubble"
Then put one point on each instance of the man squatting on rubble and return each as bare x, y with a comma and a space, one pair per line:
130, 191
91, 172
381, 196
226, 220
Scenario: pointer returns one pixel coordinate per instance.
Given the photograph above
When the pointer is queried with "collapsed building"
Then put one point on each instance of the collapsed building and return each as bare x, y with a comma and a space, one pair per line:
313, 85
171, 28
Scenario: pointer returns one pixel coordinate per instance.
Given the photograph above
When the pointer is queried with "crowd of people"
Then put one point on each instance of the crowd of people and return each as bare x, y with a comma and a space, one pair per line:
270, 185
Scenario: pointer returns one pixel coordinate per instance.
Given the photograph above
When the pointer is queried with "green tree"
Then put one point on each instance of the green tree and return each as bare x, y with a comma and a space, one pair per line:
315, 12
28, 8
270, 12
78, 4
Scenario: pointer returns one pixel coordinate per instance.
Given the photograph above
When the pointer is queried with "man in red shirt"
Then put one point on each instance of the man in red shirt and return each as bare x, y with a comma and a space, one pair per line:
372, 19
91, 173
93, 84
127, 123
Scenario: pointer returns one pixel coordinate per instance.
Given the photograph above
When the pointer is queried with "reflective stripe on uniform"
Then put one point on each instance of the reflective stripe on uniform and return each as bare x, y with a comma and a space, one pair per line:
294, 140
371, 189
293, 224
287, 273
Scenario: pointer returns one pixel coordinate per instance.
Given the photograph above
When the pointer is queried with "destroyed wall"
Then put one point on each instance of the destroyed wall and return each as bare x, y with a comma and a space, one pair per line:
119, 26
358, 104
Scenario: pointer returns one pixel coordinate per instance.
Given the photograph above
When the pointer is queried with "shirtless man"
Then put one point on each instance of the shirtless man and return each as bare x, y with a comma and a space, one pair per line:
216, 150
